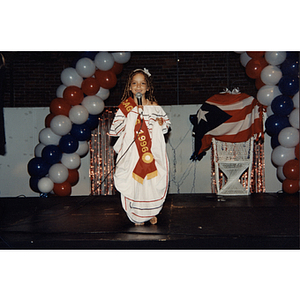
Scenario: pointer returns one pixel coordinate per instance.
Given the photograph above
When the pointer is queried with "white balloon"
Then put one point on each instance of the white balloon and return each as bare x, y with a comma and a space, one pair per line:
270, 75
244, 59
104, 61
45, 185
280, 155
61, 125
294, 118
93, 104
48, 137
121, 57
275, 57
288, 137
58, 173
38, 150
83, 148
69, 76
60, 91
71, 160
78, 114
85, 67
280, 174
296, 100
267, 93
103, 93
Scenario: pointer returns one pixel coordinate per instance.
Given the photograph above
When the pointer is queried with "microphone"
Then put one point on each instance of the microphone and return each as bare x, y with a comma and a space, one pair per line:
139, 98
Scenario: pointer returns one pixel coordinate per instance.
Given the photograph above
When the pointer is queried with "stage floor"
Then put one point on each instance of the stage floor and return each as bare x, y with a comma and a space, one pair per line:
187, 221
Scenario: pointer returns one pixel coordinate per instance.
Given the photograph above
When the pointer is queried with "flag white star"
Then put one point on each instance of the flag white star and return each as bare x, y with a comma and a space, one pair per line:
201, 115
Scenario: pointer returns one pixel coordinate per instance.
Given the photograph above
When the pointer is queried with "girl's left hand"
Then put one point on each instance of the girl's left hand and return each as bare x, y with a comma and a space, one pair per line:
160, 121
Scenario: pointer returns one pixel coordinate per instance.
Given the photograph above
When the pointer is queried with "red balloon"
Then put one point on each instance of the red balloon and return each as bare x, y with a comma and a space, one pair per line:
117, 68
259, 83
59, 106
48, 119
297, 151
255, 54
90, 86
290, 186
255, 66
73, 177
291, 169
62, 189
107, 79
73, 95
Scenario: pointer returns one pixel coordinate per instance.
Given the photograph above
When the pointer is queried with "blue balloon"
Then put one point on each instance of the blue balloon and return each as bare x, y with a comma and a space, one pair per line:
290, 67
38, 167
93, 121
292, 54
51, 154
68, 143
274, 141
275, 123
81, 132
282, 105
89, 54
288, 85
33, 183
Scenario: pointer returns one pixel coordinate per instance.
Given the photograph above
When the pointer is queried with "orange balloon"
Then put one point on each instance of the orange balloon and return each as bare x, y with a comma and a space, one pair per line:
255, 66
255, 54
107, 79
48, 119
90, 86
297, 151
291, 169
73, 95
290, 186
62, 189
59, 106
117, 68
73, 177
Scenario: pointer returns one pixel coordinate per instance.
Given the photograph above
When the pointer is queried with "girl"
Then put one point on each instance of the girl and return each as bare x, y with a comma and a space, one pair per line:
142, 166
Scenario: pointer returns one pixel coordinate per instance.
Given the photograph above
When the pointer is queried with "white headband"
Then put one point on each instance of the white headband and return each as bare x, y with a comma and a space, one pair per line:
146, 71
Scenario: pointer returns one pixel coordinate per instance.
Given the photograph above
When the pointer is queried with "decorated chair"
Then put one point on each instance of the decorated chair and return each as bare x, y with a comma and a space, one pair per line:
232, 164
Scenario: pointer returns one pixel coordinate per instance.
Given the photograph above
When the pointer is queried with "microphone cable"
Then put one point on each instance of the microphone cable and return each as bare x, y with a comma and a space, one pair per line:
130, 145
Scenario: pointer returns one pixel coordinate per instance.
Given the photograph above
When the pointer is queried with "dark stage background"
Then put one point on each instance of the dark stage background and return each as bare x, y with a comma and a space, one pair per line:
179, 77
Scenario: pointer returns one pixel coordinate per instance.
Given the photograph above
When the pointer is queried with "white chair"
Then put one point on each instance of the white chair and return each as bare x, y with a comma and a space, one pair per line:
233, 160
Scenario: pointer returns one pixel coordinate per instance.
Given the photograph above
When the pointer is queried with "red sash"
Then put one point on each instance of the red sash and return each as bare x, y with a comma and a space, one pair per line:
146, 163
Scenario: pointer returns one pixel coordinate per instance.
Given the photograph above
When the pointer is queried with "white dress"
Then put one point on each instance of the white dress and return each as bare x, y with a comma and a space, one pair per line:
141, 201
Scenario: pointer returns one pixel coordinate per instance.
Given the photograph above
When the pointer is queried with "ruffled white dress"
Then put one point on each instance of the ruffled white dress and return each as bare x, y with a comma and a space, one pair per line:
141, 201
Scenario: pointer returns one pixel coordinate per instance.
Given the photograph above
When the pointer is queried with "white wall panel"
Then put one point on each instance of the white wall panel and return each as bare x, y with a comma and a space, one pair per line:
22, 126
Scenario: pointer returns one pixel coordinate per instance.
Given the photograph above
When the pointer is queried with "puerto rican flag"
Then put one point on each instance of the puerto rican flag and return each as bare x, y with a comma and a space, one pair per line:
227, 117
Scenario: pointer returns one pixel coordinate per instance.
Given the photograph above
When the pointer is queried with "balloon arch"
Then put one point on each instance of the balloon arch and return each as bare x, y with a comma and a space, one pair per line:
80, 101
276, 77
73, 115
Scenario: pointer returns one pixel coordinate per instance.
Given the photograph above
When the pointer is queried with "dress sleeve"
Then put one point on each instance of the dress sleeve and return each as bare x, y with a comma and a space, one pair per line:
118, 125
166, 122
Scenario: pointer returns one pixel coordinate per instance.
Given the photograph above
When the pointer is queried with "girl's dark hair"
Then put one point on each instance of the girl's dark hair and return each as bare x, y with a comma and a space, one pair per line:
149, 94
